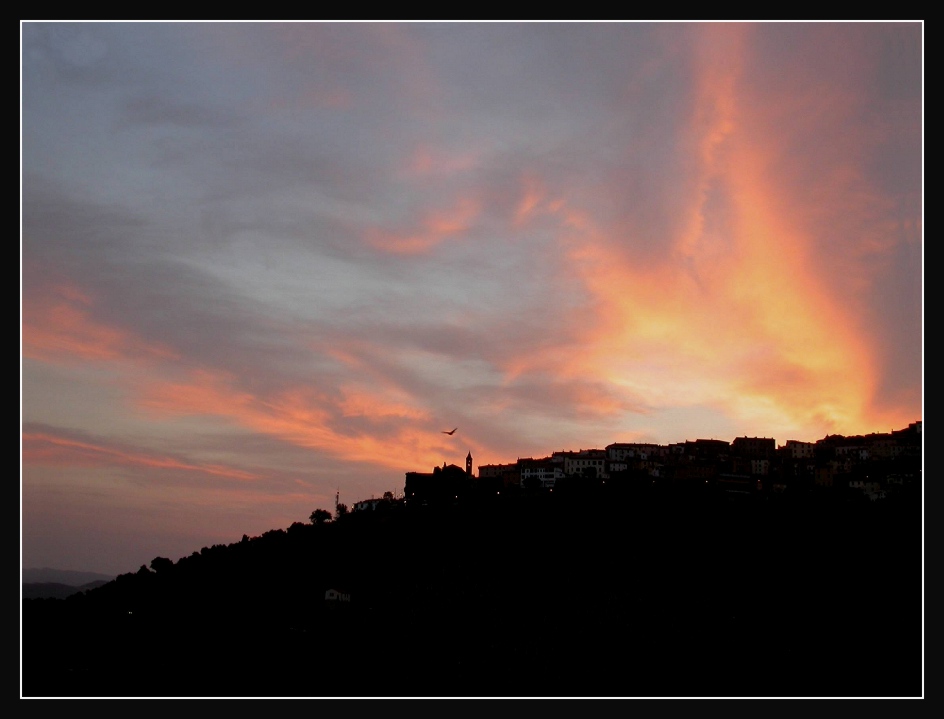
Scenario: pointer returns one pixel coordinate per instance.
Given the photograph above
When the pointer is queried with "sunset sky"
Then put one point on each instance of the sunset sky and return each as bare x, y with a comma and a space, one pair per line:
265, 263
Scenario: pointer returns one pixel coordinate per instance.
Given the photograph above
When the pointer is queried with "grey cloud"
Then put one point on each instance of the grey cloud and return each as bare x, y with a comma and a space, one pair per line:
158, 111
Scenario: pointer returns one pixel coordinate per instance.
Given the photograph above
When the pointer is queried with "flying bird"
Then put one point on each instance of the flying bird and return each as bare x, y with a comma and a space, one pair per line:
451, 431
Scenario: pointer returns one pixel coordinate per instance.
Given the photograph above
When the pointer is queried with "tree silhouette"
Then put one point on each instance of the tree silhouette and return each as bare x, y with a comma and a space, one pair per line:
160, 564
340, 511
320, 516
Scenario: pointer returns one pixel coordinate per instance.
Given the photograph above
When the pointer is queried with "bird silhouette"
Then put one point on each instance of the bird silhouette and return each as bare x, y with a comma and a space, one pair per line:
449, 432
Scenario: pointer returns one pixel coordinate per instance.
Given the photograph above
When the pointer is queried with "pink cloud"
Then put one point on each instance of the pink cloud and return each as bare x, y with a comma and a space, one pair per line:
533, 200
430, 231
58, 326
49, 449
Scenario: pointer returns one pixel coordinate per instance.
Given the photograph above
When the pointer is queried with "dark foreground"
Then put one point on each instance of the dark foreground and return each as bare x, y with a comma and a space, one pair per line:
542, 599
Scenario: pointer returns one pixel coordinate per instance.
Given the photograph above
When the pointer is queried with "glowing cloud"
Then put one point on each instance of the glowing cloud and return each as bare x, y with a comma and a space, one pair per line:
738, 316
305, 418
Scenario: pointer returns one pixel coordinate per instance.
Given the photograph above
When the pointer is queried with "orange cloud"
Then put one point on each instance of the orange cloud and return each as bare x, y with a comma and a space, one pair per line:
769, 348
57, 327
740, 317
206, 393
714, 120
305, 418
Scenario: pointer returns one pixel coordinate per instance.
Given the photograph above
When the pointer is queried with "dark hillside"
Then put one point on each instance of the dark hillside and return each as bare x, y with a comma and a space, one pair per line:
537, 596
55, 590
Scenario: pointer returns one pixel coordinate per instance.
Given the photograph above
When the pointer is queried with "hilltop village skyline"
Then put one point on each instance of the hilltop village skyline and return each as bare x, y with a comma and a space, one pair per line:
804, 558
874, 466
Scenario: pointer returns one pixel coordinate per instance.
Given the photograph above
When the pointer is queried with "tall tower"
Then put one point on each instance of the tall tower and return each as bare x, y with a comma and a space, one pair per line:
468, 464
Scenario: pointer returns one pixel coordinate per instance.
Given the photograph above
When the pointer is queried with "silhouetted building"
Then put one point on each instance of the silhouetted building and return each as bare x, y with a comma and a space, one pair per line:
583, 462
754, 447
705, 449
444, 484
877, 465
798, 450
499, 477
541, 473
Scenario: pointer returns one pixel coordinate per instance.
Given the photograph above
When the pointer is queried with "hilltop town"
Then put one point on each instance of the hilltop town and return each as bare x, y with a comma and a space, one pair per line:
704, 568
870, 467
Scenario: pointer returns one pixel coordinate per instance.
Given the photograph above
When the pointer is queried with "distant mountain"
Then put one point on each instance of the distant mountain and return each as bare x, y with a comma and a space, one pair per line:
62, 576
56, 590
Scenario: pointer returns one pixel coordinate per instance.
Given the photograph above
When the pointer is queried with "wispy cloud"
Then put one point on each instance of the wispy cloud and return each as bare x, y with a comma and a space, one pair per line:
47, 448
57, 326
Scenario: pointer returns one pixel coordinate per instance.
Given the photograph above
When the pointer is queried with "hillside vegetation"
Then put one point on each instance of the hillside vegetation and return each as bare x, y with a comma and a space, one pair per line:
538, 595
